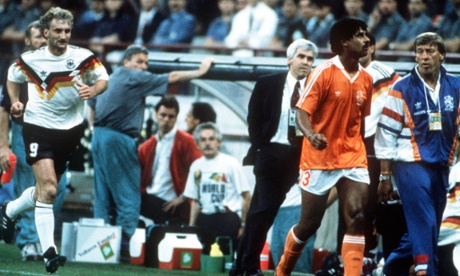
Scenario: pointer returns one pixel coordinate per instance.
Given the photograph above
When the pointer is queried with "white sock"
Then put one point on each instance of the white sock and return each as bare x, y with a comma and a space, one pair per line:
44, 221
23, 203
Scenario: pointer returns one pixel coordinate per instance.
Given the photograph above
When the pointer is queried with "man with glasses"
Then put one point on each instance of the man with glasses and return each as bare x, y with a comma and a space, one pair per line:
118, 116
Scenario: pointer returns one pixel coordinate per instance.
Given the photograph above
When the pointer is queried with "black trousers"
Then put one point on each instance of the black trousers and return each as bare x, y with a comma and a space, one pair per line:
219, 224
276, 169
151, 207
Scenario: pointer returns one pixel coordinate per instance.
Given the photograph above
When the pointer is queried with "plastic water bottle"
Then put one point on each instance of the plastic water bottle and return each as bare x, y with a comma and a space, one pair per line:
265, 257
215, 251
8, 174
137, 247
214, 262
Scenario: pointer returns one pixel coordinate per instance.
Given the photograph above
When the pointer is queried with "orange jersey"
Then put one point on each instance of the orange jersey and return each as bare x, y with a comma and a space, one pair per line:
337, 104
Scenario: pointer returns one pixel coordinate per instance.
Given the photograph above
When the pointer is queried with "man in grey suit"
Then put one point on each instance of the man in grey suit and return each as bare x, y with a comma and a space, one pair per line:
274, 152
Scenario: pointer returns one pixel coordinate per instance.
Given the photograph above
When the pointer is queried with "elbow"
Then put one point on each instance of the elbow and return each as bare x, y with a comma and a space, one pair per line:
173, 78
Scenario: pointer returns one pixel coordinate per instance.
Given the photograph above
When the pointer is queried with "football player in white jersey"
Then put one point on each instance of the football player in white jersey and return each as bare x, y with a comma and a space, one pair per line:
60, 77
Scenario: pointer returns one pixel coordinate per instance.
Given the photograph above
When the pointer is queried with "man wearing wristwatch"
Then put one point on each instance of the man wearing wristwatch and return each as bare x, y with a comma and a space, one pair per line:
387, 219
415, 141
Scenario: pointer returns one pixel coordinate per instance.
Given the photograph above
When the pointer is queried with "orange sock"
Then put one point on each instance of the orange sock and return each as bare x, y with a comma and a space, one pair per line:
352, 254
292, 250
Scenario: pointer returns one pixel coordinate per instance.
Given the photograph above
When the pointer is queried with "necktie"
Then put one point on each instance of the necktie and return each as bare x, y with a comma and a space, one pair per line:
291, 129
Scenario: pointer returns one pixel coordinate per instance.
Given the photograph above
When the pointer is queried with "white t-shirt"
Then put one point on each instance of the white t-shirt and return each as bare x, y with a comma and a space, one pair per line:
217, 183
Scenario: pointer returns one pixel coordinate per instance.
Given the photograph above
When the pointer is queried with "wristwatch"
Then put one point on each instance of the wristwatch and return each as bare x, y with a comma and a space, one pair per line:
384, 177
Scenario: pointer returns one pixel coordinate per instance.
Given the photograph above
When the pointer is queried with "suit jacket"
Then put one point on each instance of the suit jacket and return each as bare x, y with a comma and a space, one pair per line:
264, 112
151, 28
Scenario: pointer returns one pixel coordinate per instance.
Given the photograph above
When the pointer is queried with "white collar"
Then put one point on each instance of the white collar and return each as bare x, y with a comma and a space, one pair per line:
168, 136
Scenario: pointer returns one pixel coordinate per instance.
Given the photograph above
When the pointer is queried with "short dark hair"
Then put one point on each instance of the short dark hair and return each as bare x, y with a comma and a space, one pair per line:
371, 43
342, 30
169, 102
134, 50
430, 38
321, 3
203, 112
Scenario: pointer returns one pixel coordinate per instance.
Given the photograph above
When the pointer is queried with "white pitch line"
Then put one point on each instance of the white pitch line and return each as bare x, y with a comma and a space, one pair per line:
11, 272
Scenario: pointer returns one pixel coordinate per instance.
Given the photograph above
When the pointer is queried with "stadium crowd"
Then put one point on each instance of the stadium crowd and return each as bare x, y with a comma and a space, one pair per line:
266, 23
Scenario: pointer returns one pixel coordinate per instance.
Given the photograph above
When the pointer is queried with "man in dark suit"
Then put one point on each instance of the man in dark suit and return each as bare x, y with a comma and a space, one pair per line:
274, 152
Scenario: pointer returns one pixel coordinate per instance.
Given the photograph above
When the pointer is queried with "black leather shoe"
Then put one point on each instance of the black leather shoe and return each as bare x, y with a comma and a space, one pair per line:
53, 260
8, 225
235, 272
255, 273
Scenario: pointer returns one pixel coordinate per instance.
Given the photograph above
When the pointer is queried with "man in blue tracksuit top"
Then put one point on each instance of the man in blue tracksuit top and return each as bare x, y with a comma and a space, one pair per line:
415, 141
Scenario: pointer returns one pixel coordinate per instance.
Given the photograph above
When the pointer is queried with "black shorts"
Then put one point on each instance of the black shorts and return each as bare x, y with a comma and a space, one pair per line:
56, 144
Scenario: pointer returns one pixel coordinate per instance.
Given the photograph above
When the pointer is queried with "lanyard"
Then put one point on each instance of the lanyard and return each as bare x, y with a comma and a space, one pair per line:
426, 99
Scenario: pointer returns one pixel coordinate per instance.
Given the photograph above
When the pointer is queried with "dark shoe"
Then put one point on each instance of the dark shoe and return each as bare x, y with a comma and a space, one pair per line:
53, 260
235, 272
125, 257
8, 225
254, 273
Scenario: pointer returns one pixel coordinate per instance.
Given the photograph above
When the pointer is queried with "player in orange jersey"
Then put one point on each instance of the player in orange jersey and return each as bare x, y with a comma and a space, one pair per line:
331, 115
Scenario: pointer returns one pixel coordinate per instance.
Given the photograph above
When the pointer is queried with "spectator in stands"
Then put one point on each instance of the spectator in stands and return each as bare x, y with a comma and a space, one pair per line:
241, 4
7, 11
324, 21
354, 9
220, 27
199, 113
305, 26
7, 15
449, 28
165, 161
419, 22
286, 22
117, 116
252, 27
275, 5
116, 26
24, 13
150, 17
45, 5
204, 12
384, 23
218, 188
179, 27
88, 21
